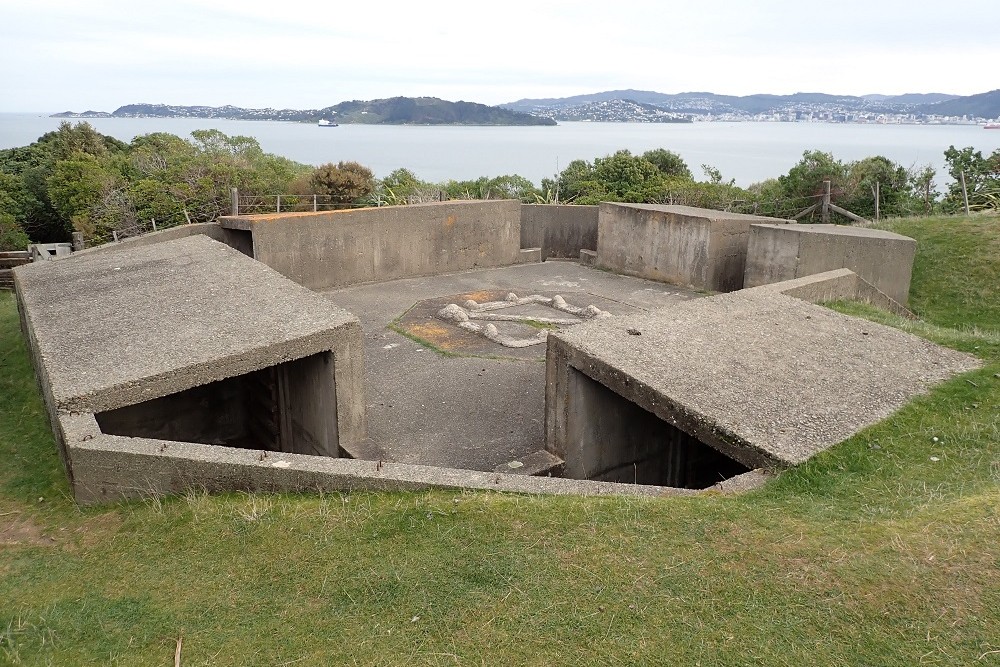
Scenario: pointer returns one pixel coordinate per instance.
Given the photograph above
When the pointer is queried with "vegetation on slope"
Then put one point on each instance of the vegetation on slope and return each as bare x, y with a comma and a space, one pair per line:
881, 551
76, 179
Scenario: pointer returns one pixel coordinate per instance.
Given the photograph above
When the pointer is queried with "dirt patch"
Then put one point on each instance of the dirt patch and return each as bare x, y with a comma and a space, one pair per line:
17, 531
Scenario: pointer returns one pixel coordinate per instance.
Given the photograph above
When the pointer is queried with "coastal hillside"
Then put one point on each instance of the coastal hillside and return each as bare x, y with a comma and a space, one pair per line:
426, 111
391, 111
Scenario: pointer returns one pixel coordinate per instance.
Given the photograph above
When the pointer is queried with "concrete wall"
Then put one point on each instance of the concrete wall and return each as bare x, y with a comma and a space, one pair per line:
784, 252
338, 248
112, 468
561, 231
233, 238
694, 247
836, 285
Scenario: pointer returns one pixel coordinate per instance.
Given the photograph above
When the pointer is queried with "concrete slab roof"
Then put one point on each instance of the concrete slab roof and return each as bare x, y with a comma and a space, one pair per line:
116, 329
772, 379
839, 230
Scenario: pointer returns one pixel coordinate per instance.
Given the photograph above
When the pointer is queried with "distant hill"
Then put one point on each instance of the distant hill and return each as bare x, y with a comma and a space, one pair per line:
704, 103
392, 111
983, 105
426, 111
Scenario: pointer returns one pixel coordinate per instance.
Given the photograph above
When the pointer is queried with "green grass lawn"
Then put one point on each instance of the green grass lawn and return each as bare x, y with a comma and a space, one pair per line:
884, 550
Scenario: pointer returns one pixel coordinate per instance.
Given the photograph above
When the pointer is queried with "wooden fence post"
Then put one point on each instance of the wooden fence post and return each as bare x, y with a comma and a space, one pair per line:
965, 193
825, 212
876, 200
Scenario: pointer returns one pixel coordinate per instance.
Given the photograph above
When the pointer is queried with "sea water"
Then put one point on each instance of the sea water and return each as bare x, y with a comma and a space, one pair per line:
747, 152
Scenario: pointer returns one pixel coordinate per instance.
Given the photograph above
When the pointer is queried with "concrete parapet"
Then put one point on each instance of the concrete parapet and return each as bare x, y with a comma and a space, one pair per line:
700, 248
710, 387
560, 230
189, 340
778, 253
333, 249
234, 239
112, 468
530, 256
836, 285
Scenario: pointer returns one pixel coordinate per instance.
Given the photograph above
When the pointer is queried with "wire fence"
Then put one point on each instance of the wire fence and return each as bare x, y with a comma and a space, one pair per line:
260, 204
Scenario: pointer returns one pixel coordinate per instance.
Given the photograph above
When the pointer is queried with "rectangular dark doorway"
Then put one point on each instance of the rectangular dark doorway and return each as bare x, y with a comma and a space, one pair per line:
612, 439
290, 407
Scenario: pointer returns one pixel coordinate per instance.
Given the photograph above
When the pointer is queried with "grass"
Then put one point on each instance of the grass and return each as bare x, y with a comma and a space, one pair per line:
884, 550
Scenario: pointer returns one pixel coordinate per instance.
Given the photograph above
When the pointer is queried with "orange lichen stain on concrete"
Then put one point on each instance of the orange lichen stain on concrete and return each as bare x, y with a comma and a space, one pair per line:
482, 296
433, 333
287, 215
449, 221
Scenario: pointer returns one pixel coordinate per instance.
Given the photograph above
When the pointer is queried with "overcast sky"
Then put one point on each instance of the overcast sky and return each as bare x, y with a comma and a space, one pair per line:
69, 55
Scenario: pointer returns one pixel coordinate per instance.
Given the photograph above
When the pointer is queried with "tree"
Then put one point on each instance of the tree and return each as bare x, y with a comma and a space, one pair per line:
981, 175
628, 178
344, 182
75, 186
669, 164
879, 175
12, 237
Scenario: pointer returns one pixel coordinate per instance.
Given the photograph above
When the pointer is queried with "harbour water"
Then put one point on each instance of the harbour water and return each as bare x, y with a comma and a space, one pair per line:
746, 152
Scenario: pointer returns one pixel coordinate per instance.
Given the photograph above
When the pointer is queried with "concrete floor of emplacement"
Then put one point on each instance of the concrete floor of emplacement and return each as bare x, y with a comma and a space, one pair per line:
441, 395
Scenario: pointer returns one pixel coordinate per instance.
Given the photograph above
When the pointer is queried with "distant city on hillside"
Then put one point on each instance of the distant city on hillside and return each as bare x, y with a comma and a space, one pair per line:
627, 106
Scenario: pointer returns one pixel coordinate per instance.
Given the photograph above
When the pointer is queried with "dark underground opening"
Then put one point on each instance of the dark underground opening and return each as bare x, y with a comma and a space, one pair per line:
290, 407
612, 439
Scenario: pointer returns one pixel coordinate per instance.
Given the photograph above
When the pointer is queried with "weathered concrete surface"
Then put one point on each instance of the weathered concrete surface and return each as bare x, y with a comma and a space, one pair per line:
776, 253
237, 239
694, 247
112, 468
465, 411
561, 231
340, 248
112, 330
766, 379
836, 285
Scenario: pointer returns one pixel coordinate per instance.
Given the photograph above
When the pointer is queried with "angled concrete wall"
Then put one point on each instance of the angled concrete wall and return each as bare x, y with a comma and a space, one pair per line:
776, 253
339, 248
694, 247
561, 231
234, 239
191, 339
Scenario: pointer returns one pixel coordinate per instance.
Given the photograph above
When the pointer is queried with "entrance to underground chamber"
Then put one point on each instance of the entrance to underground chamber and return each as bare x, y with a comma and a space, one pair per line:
610, 438
290, 407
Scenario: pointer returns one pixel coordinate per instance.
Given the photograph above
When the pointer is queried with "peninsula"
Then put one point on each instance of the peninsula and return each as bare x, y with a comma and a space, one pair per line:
391, 111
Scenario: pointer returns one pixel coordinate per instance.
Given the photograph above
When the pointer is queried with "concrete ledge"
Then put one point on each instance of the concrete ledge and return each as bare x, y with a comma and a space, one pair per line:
682, 245
776, 253
588, 257
836, 285
530, 256
212, 230
113, 468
